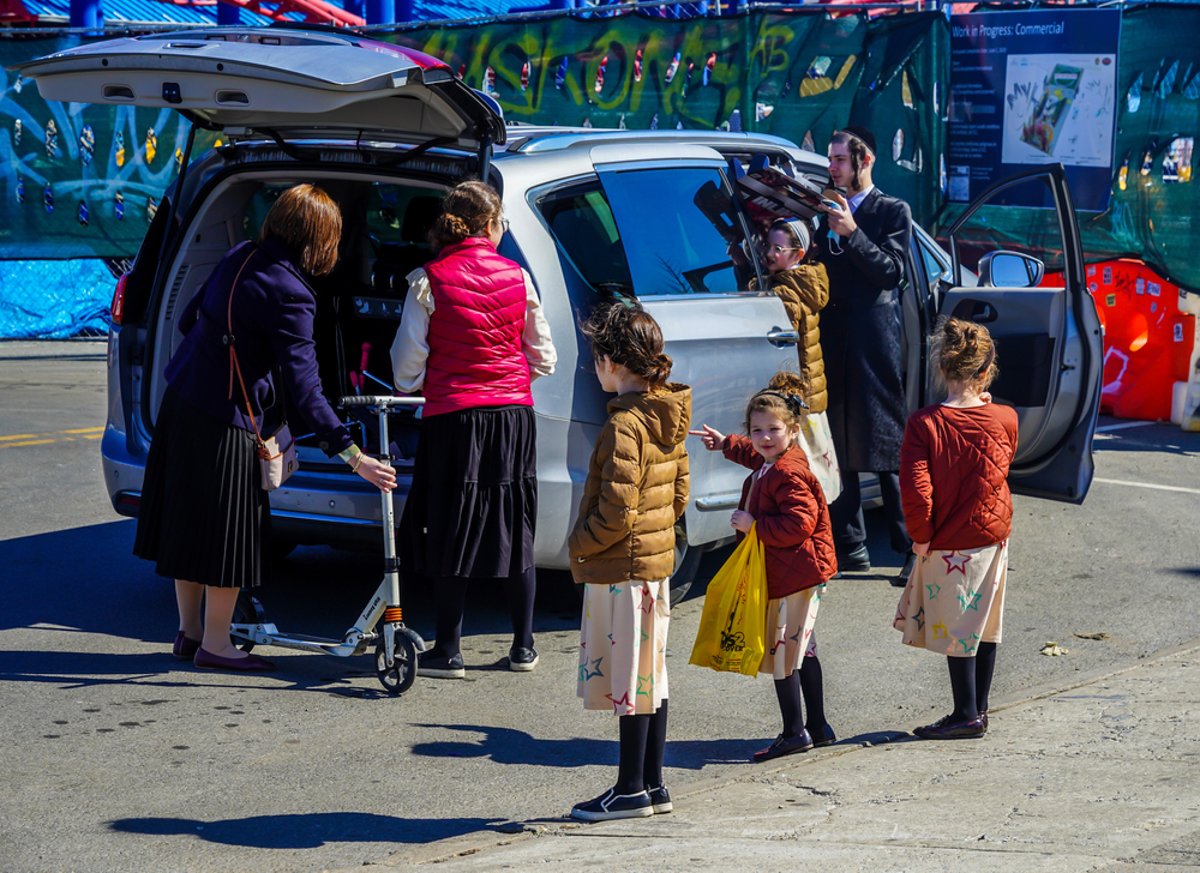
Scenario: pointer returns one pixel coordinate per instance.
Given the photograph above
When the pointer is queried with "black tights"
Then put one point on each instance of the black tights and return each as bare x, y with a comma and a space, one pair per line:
643, 743
971, 682
451, 597
806, 682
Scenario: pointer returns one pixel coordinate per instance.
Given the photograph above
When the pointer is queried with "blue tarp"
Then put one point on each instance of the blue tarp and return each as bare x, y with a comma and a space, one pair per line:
54, 299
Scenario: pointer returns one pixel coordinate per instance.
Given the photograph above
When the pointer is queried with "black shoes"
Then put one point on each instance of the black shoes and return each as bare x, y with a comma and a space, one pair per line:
857, 560
522, 659
822, 736
945, 729
660, 799
901, 578
611, 805
434, 664
802, 742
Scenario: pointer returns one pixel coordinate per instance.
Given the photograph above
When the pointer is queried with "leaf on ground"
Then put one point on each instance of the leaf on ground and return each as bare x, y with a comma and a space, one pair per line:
1054, 649
1091, 635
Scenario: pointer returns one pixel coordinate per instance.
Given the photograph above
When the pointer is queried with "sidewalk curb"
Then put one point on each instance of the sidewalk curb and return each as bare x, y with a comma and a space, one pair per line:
512, 832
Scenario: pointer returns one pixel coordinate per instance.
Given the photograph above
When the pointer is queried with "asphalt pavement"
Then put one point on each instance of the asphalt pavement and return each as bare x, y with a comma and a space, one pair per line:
118, 757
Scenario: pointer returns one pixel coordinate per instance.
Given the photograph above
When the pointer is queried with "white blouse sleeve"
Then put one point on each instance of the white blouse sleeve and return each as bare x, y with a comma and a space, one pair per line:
410, 348
536, 341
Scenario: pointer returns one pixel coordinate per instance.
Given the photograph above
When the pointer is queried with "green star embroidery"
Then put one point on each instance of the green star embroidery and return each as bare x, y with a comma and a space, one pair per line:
645, 685
934, 589
969, 644
614, 589
645, 636
969, 600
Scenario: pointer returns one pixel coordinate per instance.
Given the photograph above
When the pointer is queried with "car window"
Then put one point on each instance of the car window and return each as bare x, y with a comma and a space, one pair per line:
618, 244
582, 224
679, 226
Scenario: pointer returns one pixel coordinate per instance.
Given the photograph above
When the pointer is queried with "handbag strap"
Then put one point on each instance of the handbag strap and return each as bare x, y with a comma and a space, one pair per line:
231, 342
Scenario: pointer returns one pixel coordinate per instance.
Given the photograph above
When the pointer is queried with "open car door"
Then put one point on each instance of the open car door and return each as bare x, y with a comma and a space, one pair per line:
1033, 299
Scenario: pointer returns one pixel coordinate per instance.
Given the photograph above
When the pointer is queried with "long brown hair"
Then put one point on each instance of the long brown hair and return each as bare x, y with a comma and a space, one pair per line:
306, 220
466, 211
626, 334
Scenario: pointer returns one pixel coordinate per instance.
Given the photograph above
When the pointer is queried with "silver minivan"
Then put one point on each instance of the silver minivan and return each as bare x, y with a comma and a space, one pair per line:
655, 214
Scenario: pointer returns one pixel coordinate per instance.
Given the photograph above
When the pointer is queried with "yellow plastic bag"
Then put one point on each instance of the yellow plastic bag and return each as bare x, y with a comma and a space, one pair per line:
733, 626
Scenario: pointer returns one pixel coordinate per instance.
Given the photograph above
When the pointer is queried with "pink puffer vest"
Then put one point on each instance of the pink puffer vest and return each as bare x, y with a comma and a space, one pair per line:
475, 352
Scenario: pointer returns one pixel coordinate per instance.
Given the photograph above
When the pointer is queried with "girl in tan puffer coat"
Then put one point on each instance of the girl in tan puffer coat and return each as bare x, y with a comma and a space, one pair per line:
622, 550
803, 286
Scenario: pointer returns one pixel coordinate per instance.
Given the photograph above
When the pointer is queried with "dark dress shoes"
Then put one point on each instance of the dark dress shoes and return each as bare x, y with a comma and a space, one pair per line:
822, 736
185, 648
206, 660
945, 729
802, 742
856, 560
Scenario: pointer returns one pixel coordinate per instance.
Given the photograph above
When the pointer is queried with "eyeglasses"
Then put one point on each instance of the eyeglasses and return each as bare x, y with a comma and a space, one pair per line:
503, 224
779, 250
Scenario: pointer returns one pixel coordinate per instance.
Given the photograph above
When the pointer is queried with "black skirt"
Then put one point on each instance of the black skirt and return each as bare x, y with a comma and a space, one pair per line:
472, 508
203, 515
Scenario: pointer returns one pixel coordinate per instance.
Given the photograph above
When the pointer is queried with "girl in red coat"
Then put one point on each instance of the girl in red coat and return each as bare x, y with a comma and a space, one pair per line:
785, 502
954, 463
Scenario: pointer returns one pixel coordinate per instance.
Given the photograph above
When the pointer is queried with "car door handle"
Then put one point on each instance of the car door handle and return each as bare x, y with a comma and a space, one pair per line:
978, 311
781, 337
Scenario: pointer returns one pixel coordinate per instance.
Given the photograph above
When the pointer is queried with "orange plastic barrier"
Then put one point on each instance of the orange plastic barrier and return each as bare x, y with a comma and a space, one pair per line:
1148, 341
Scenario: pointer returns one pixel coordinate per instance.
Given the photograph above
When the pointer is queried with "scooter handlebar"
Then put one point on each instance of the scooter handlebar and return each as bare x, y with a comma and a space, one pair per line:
380, 401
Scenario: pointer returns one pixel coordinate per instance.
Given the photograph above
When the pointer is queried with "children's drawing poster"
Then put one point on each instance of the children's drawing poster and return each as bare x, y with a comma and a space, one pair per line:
1032, 88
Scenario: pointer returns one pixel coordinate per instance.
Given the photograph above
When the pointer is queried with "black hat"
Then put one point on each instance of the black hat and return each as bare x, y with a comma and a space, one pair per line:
863, 134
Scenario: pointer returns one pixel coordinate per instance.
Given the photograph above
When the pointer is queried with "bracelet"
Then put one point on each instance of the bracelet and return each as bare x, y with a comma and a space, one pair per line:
357, 462
349, 454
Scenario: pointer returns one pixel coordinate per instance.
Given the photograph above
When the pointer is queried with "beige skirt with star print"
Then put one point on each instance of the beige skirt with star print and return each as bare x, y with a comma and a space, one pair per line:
790, 622
623, 646
954, 600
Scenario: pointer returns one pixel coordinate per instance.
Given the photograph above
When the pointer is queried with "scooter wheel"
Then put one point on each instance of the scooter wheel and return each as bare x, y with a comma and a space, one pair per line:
399, 677
247, 610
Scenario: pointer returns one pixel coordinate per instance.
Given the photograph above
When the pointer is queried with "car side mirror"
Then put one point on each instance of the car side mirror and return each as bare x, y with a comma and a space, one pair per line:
1010, 270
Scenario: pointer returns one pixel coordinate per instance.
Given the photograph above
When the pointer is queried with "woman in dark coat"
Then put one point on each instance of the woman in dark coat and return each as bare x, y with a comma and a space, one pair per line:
863, 245
204, 513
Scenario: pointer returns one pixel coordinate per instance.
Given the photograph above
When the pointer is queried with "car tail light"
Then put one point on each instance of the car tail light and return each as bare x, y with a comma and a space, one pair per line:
118, 300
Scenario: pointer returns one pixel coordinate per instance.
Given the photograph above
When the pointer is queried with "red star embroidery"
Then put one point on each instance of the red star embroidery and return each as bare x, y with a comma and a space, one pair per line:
647, 600
621, 702
955, 561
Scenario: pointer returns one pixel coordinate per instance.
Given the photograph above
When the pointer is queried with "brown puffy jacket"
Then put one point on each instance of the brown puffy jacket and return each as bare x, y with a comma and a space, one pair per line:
636, 489
804, 291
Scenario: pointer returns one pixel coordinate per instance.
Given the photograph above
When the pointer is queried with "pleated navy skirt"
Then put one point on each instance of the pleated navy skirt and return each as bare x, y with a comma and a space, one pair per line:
203, 515
472, 507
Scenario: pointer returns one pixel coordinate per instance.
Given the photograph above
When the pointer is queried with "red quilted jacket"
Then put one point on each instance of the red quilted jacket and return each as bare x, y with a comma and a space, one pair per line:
790, 516
953, 475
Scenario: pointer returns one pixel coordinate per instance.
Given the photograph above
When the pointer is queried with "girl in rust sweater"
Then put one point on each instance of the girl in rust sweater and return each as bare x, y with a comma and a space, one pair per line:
622, 550
954, 462
786, 503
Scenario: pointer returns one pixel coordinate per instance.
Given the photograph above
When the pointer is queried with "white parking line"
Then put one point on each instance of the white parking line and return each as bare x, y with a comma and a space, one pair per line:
1123, 425
1148, 485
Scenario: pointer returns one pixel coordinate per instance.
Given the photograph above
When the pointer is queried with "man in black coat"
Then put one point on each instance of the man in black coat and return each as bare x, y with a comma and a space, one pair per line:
863, 243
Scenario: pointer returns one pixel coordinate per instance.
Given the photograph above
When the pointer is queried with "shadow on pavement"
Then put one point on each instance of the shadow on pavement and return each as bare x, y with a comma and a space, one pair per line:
503, 745
307, 830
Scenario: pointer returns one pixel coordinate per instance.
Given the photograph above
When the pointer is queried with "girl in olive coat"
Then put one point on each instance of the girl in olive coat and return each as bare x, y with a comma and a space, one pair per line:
622, 550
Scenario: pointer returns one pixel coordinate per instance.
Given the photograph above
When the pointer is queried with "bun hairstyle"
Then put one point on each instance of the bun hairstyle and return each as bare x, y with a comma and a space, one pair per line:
783, 397
626, 334
466, 211
964, 352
